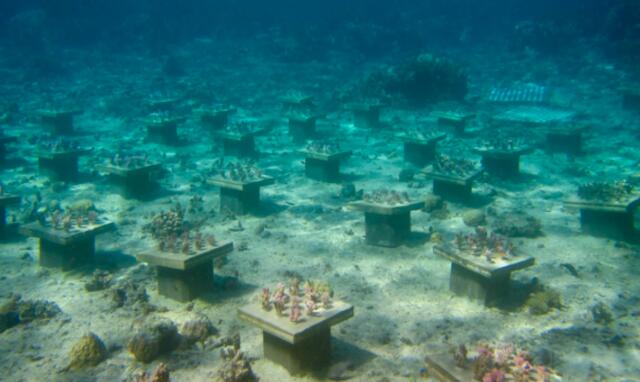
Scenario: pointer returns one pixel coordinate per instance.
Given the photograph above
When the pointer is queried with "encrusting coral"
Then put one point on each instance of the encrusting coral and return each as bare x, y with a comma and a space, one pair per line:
88, 351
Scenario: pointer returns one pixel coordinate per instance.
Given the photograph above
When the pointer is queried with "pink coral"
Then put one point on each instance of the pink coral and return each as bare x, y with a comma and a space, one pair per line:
494, 375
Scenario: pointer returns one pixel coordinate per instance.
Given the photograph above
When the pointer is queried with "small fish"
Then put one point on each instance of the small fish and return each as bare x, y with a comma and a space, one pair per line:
570, 268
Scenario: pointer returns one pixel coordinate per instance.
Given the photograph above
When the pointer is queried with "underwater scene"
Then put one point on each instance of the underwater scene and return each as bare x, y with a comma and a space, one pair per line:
361, 190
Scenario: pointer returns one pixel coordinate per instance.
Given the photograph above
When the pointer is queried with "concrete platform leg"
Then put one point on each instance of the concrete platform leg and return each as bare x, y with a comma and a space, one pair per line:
609, 224
300, 131
452, 191
324, 171
419, 154
166, 135
387, 230
61, 169
502, 167
240, 202
241, 149
53, 255
368, 119
185, 285
474, 286
311, 354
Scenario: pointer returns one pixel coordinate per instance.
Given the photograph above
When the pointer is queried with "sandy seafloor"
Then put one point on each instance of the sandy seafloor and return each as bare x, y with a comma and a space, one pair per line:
404, 309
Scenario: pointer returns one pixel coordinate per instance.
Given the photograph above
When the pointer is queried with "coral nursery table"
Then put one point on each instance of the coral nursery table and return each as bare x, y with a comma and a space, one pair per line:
164, 130
185, 277
136, 182
421, 151
385, 225
565, 140
215, 119
240, 197
302, 128
502, 163
60, 165
297, 346
455, 120
66, 249
453, 187
60, 121
241, 145
365, 115
611, 219
324, 167
478, 279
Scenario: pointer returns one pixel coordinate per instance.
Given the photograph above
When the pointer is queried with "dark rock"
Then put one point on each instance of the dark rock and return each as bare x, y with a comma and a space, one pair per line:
154, 338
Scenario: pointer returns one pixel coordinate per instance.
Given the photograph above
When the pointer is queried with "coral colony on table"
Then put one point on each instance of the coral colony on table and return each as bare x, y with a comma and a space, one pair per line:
67, 236
296, 323
238, 140
133, 173
240, 185
322, 161
58, 158
387, 216
453, 178
481, 265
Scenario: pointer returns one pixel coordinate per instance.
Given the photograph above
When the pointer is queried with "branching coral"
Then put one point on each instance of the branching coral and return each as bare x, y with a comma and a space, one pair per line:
173, 233
386, 197
327, 148
446, 165
236, 367
605, 191
503, 363
77, 216
245, 171
129, 161
491, 246
312, 297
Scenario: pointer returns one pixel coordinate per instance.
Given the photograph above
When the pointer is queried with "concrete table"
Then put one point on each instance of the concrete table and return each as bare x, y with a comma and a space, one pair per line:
5, 201
421, 151
503, 163
136, 182
60, 121
387, 226
567, 141
302, 128
297, 346
478, 279
164, 131
610, 219
240, 197
455, 120
60, 165
456, 188
365, 115
324, 167
66, 249
185, 277
215, 119
241, 145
